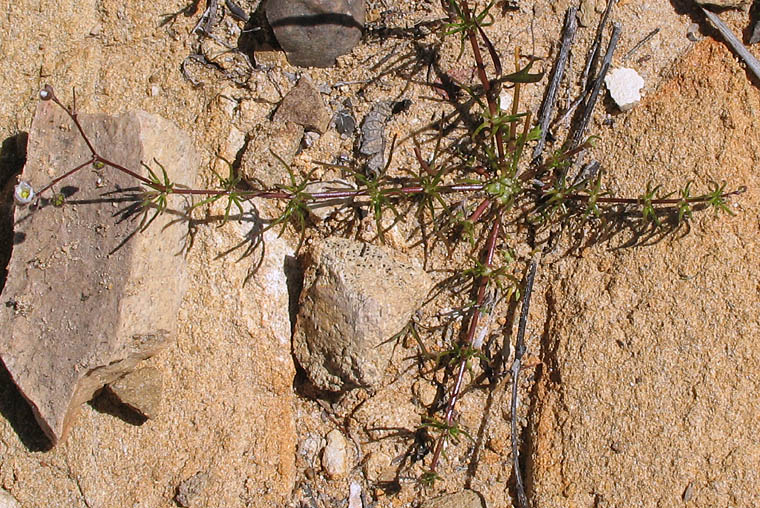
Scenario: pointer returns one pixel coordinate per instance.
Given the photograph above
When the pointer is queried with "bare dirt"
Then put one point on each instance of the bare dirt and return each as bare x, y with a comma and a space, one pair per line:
644, 391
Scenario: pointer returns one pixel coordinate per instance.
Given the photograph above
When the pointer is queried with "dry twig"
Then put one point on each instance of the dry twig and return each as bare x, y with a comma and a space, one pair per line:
516, 366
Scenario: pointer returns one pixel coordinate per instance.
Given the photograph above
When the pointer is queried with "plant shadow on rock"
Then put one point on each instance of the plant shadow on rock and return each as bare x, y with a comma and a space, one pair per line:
13, 405
105, 402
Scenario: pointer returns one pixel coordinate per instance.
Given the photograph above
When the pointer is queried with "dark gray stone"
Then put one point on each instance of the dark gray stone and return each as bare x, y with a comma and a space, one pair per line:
345, 122
314, 33
725, 4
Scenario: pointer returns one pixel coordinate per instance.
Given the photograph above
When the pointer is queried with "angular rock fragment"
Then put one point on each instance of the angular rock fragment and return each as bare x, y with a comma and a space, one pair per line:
754, 38
345, 123
356, 296
378, 468
191, 489
267, 142
372, 142
314, 33
88, 296
624, 85
335, 455
304, 105
355, 495
725, 4
140, 391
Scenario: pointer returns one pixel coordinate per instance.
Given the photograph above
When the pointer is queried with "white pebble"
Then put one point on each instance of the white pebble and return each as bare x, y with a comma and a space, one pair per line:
624, 85
335, 455
355, 496
7, 500
505, 100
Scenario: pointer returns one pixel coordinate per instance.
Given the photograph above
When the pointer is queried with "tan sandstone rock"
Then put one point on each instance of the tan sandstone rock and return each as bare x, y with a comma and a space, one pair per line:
356, 297
90, 295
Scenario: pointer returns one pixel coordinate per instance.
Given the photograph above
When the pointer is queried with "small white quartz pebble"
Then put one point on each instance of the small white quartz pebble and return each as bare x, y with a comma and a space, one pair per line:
355, 496
335, 455
624, 85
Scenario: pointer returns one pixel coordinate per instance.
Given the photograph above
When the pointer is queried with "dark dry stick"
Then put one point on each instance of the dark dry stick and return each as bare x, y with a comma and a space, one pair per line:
209, 19
544, 114
593, 56
516, 366
735, 43
588, 107
641, 43
571, 108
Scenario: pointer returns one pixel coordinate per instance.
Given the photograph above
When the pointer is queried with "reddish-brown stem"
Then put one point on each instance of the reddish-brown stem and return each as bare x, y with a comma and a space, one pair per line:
146, 181
319, 196
73, 117
479, 211
493, 108
661, 202
473, 326
423, 164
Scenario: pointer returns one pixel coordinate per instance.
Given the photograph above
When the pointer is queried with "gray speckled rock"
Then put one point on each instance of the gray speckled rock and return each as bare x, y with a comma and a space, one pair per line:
190, 490
356, 296
314, 33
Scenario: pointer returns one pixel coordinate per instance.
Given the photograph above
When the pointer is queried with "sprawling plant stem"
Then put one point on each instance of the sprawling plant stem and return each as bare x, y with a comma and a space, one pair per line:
502, 188
488, 257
